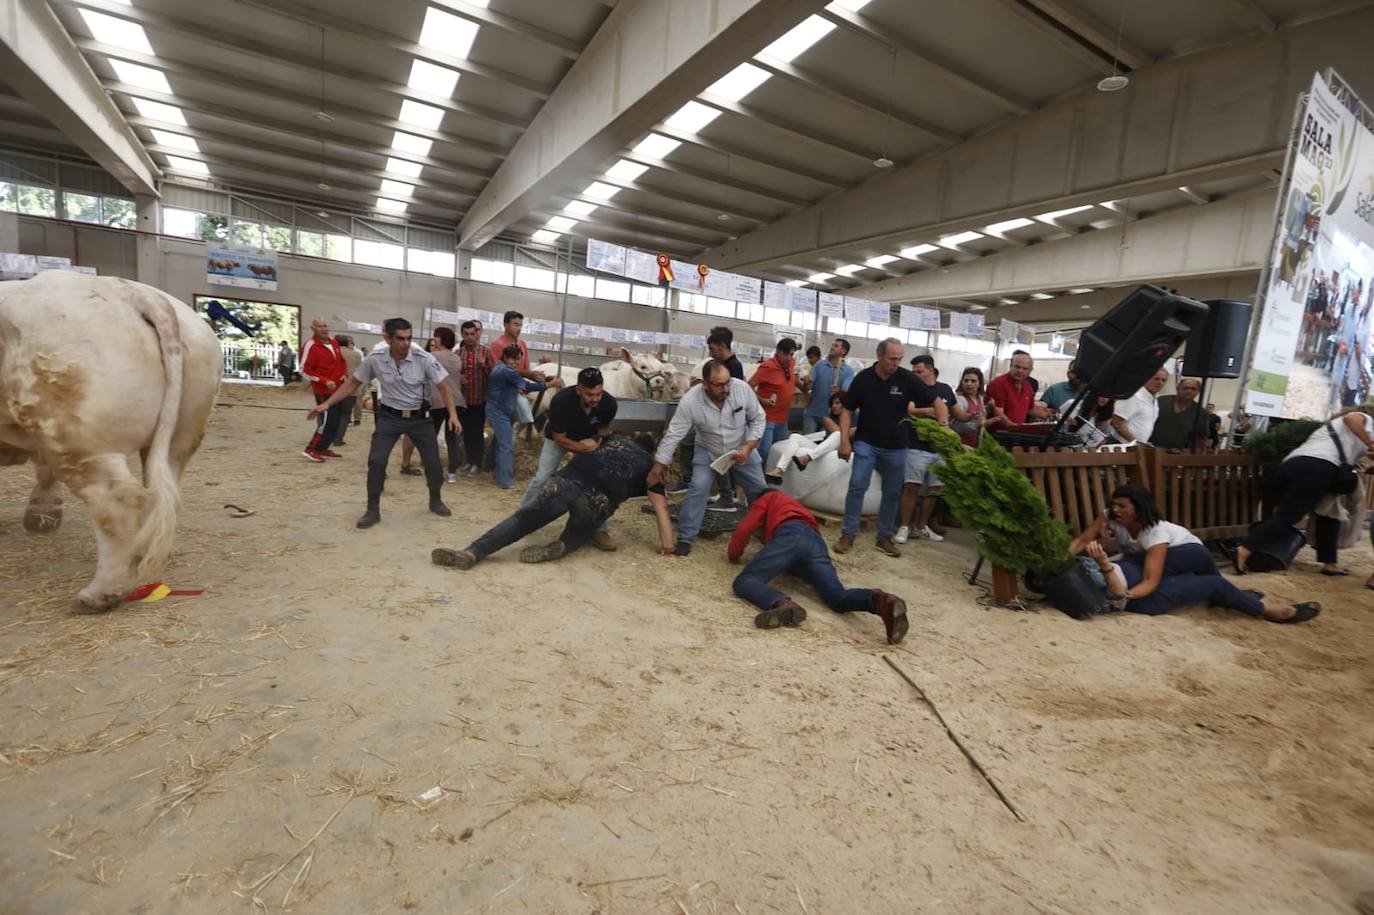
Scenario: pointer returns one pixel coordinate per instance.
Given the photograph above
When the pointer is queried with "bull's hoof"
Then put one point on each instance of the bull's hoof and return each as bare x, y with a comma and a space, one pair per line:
37, 522
90, 604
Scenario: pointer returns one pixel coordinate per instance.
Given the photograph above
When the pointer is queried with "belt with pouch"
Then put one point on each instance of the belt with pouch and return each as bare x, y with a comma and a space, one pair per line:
420, 412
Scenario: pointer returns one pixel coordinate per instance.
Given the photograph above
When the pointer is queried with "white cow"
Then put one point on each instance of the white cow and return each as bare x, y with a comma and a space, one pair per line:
92, 369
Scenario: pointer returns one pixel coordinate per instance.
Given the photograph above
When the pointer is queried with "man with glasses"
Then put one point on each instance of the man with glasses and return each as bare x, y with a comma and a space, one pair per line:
1011, 397
403, 372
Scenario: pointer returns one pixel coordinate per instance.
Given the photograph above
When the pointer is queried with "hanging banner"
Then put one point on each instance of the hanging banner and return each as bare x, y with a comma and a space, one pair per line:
958, 323
803, 299
718, 285
682, 275
249, 268
1311, 354
776, 295
856, 310
1064, 345
975, 325
606, 257
913, 317
641, 266
1006, 331
879, 313
908, 317
832, 305
745, 289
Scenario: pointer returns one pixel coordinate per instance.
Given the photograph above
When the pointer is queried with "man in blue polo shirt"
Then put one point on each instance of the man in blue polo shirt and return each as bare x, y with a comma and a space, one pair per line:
828, 376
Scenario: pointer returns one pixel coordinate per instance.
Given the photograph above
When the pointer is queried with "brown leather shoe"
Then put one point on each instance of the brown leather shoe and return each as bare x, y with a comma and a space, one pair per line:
785, 612
604, 542
844, 544
891, 609
888, 547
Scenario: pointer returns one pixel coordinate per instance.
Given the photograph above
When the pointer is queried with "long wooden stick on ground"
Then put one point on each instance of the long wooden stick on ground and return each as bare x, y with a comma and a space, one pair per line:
968, 754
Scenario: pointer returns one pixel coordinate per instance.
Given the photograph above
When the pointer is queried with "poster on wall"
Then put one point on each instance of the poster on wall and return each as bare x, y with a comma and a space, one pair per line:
1312, 352
832, 305
250, 268
605, 257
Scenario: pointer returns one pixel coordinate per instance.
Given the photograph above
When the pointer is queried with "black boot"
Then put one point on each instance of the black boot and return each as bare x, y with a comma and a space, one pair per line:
437, 505
372, 515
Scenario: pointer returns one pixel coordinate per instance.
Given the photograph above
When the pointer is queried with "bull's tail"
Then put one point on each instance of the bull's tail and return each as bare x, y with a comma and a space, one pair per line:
154, 538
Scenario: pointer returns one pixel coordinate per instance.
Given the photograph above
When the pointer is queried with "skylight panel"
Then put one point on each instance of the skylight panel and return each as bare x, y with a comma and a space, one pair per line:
1055, 214
802, 36
960, 238
997, 228
397, 188
447, 33
918, 250
691, 117
796, 283
143, 77
174, 140
391, 206
432, 79
408, 142
545, 237
625, 170
403, 167
192, 166
849, 269
852, 5
561, 223
881, 260
739, 82
580, 208
420, 114
820, 277
601, 191
656, 146
1041, 296
157, 111
121, 33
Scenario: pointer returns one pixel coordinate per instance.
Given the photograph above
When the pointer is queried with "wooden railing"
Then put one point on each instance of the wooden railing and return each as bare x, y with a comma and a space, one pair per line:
1216, 496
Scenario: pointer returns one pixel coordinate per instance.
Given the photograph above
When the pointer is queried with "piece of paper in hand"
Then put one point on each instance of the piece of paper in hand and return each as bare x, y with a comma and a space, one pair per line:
724, 462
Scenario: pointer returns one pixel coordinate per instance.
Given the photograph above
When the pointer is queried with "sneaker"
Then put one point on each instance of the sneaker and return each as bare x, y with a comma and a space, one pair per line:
604, 542
678, 488
468, 469
888, 547
312, 456
844, 544
926, 533
328, 453
543, 552
892, 610
683, 548
452, 478
720, 505
369, 518
901, 535
439, 508
454, 559
785, 612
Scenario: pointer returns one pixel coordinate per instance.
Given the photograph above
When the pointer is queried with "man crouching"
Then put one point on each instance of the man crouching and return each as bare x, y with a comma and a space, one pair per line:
792, 543
588, 489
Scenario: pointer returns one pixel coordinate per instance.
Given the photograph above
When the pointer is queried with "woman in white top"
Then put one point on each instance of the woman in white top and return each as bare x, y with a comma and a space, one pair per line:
1310, 473
1165, 566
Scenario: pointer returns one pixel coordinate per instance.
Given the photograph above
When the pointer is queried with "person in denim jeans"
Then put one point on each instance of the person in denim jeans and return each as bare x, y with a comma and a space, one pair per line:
883, 393
775, 381
503, 387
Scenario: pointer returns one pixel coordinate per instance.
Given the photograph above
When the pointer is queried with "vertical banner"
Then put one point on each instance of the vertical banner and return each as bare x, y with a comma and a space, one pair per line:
1311, 352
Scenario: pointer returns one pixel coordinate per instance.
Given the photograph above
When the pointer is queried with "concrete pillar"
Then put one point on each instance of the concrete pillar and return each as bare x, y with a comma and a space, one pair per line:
150, 266
9, 232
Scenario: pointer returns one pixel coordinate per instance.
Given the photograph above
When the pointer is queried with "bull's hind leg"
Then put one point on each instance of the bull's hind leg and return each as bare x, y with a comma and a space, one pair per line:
117, 502
44, 514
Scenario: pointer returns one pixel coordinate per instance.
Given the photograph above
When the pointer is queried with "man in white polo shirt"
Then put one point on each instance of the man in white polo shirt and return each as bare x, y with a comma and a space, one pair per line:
1135, 416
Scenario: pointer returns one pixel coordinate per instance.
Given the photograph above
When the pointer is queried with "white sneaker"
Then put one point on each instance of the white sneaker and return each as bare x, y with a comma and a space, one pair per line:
926, 533
901, 535
453, 478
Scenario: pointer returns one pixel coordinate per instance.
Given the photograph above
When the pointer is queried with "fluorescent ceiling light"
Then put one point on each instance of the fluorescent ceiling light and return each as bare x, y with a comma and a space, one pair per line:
820, 277
997, 228
852, 5
391, 206
1052, 216
426, 77
739, 82
182, 164
802, 36
849, 269
447, 33
881, 260
174, 140
397, 188
420, 114
601, 190
691, 117
796, 283
656, 146
918, 250
1081, 289
157, 111
143, 77
625, 170
545, 237
408, 142
1041, 296
118, 32
403, 167
960, 238
561, 223
580, 208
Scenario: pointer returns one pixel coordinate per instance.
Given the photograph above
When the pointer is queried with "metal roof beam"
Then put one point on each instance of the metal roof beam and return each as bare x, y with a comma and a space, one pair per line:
1250, 14
38, 58
797, 130
1098, 33
642, 64
690, 171
482, 16
1042, 23
863, 26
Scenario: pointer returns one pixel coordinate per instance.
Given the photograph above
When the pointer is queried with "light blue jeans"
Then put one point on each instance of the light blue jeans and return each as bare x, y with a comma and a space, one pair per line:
503, 440
891, 466
550, 459
749, 475
772, 432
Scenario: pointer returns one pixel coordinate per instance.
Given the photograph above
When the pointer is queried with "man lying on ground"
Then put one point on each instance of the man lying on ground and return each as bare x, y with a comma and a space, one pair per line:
588, 489
792, 543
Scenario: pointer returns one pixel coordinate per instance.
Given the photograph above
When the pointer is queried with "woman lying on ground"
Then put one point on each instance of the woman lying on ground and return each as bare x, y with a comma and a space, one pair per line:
588, 489
1165, 566
803, 449
1311, 472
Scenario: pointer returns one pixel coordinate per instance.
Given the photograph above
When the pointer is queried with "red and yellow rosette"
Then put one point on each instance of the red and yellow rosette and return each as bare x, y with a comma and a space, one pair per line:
665, 268
702, 270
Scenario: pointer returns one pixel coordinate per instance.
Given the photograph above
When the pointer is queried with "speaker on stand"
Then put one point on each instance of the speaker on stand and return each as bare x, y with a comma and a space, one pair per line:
1216, 345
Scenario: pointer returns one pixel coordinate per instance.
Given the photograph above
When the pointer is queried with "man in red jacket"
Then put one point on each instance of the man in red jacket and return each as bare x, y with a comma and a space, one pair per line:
323, 365
792, 543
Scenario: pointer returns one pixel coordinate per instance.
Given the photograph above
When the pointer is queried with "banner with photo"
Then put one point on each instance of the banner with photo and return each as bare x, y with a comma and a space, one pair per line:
231, 265
1312, 351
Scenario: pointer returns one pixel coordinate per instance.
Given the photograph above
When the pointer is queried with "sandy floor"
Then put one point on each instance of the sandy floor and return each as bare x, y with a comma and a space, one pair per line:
339, 726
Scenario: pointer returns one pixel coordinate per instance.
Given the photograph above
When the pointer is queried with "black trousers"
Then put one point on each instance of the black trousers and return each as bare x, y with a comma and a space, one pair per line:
587, 509
474, 420
389, 429
327, 427
1308, 481
440, 418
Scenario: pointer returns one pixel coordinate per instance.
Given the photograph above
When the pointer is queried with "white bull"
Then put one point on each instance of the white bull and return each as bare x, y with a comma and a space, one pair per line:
91, 370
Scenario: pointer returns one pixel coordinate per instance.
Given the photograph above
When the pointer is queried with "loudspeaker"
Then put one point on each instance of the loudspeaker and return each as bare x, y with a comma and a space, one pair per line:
1128, 344
1215, 346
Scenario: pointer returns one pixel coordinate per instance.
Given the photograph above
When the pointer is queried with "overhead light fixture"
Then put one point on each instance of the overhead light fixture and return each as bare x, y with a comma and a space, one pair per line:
882, 162
323, 116
1116, 80
432, 79
397, 188
1085, 307
324, 187
723, 217
174, 140
1041, 296
182, 164
121, 33
918, 250
390, 206
1080, 290
322, 214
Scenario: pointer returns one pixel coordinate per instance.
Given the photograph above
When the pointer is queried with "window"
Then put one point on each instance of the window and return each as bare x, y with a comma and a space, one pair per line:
311, 243
246, 233
751, 311
481, 270
7, 192
580, 284
118, 212
612, 290
777, 316
378, 254
81, 207
180, 222
502, 273
653, 296
721, 308
338, 247
35, 201
278, 238
421, 260
690, 301
534, 278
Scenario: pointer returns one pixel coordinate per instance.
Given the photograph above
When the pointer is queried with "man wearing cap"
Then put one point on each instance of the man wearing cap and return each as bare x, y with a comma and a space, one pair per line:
579, 418
403, 372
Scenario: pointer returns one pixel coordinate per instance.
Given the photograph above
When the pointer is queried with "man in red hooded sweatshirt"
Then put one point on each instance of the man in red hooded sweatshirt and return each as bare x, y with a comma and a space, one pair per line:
323, 365
792, 543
